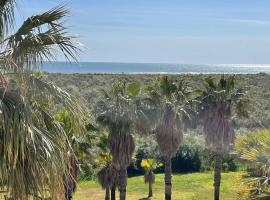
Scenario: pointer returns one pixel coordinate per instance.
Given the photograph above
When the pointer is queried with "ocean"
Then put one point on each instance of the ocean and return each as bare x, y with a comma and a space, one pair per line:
152, 68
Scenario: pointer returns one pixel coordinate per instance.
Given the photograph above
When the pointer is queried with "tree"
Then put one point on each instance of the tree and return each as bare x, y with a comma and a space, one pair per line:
170, 103
33, 146
149, 165
118, 112
218, 102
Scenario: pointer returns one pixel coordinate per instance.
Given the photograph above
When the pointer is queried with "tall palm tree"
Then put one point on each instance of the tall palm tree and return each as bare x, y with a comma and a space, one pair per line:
32, 144
117, 112
219, 100
171, 103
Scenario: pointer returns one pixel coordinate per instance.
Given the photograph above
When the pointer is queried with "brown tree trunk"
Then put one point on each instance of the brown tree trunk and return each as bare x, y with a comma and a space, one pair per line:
150, 191
113, 193
107, 196
217, 176
122, 183
168, 179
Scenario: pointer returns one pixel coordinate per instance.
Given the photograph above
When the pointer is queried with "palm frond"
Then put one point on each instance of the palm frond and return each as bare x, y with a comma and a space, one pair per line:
50, 18
38, 37
28, 141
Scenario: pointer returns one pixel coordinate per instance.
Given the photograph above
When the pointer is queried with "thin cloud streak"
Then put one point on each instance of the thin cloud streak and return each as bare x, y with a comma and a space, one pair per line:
245, 21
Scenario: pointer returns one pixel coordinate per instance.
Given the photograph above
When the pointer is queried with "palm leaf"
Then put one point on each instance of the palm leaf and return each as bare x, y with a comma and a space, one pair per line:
38, 37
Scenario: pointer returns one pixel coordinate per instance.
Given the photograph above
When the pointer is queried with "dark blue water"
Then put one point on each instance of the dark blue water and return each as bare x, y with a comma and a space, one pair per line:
138, 68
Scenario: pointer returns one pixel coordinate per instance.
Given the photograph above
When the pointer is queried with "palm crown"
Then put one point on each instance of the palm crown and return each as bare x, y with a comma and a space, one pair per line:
118, 112
219, 101
170, 103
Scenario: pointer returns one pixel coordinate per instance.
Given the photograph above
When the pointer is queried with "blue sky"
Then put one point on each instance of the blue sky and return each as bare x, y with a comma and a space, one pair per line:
168, 31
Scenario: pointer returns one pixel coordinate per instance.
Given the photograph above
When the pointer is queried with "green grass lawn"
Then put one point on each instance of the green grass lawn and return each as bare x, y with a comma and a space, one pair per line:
195, 186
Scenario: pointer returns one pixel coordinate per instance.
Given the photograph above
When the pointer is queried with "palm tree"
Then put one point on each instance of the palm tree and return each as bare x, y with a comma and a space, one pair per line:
107, 178
170, 103
149, 165
117, 112
218, 101
32, 144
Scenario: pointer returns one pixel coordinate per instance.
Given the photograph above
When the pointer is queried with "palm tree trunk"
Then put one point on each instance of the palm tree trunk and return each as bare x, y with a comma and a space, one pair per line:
168, 179
217, 176
107, 196
122, 183
113, 193
150, 191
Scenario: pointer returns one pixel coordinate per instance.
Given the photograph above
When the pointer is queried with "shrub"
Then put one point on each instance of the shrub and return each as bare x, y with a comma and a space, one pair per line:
187, 159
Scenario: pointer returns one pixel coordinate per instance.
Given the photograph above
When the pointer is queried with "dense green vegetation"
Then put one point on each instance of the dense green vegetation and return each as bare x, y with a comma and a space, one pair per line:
257, 86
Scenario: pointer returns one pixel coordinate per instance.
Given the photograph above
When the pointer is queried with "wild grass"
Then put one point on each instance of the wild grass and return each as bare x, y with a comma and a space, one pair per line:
195, 186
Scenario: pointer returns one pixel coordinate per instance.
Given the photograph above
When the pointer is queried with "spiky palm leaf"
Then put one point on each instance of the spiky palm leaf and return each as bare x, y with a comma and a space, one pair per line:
38, 37
255, 148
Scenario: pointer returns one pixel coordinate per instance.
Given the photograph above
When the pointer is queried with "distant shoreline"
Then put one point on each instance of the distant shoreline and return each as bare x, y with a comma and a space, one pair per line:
157, 73
143, 68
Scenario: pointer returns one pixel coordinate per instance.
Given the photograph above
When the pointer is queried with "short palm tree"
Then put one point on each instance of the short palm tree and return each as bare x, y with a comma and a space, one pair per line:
33, 146
117, 112
104, 179
149, 165
219, 100
169, 102
107, 176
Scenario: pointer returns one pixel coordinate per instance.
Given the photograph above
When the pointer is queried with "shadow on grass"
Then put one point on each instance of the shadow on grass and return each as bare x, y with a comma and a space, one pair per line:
147, 198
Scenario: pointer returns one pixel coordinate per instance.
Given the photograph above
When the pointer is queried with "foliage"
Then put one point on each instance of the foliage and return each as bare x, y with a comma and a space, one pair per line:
255, 149
150, 164
104, 160
257, 88
81, 142
186, 160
